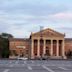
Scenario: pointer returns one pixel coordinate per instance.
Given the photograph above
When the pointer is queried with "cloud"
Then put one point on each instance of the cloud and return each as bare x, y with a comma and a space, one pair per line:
30, 7
66, 30
64, 15
20, 17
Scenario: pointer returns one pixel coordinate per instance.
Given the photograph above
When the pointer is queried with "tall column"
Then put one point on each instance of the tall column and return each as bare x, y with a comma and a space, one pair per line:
51, 48
38, 48
32, 49
57, 49
44, 48
63, 49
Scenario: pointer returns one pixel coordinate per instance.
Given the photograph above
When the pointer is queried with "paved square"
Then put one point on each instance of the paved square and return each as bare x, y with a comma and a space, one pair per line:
35, 66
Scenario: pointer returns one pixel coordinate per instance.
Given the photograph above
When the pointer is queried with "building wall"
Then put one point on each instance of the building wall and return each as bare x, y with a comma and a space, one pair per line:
15, 43
68, 44
19, 47
36, 45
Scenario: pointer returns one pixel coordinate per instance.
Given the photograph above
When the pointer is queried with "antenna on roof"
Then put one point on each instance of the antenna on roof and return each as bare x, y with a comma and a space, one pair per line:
41, 28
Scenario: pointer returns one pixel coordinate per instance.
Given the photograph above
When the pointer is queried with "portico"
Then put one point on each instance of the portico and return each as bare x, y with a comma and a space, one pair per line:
51, 44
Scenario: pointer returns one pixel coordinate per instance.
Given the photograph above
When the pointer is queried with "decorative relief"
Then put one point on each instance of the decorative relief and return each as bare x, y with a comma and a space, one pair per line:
48, 33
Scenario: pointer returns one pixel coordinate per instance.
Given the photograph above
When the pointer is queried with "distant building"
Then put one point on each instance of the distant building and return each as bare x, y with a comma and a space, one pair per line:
43, 43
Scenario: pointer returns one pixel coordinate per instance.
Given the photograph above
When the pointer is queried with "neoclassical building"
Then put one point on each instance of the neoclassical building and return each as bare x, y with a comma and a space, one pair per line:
47, 42
43, 43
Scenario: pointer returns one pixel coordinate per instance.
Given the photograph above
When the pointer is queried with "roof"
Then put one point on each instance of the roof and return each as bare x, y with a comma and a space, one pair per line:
48, 32
19, 39
68, 39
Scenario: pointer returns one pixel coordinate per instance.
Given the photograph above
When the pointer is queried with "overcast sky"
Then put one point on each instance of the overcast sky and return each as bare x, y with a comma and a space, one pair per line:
21, 17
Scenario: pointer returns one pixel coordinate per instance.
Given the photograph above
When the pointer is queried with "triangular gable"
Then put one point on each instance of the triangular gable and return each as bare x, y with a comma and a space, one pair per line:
48, 32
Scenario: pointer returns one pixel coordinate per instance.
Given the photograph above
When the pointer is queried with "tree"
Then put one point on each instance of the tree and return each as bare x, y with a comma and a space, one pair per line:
6, 35
4, 45
1, 46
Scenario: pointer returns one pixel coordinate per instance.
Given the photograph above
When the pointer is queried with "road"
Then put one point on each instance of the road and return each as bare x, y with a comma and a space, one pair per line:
35, 66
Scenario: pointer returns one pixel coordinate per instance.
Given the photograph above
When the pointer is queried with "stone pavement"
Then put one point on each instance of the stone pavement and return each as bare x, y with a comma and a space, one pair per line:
35, 66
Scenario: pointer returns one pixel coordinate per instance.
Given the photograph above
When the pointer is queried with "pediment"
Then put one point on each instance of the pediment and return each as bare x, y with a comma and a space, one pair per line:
48, 33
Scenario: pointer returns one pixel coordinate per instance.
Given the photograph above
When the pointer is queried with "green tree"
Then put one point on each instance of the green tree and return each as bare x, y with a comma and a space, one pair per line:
6, 35
4, 45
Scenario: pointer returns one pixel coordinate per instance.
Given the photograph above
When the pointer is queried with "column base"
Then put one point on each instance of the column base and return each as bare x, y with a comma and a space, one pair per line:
64, 57
57, 57
32, 57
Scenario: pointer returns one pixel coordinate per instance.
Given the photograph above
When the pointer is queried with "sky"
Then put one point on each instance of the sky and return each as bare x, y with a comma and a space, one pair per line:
21, 17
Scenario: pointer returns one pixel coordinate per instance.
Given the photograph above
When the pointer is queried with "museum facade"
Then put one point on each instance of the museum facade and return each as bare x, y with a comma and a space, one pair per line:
46, 42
